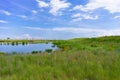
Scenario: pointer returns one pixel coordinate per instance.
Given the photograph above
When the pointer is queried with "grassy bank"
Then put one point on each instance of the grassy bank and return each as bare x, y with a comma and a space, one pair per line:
78, 59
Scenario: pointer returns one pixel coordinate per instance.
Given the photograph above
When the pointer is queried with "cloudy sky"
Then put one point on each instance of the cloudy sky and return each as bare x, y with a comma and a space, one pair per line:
59, 19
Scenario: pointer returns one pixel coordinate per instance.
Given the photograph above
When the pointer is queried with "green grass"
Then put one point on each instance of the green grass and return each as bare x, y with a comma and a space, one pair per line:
78, 59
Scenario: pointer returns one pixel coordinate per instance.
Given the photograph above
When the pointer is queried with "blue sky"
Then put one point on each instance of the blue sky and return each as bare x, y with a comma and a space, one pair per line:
59, 19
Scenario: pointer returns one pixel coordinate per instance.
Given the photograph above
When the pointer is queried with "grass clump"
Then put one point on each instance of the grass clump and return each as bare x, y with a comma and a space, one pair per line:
48, 50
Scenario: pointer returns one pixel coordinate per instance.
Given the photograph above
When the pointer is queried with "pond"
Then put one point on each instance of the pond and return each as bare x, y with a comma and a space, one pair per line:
28, 48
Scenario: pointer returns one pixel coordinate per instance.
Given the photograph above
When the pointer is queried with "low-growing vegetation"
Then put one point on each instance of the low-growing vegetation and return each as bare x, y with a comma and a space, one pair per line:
1, 53
48, 50
77, 59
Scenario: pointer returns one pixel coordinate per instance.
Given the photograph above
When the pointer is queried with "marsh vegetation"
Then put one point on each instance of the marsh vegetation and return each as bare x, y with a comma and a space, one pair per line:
77, 59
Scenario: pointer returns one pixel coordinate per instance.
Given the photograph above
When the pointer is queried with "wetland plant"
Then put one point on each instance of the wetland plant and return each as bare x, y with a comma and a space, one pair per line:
48, 50
13, 43
34, 52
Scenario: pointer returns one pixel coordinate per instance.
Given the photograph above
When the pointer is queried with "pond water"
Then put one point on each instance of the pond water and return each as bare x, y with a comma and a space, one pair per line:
28, 48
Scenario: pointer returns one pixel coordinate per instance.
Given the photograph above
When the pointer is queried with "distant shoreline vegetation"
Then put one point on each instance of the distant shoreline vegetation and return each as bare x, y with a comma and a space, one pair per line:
24, 41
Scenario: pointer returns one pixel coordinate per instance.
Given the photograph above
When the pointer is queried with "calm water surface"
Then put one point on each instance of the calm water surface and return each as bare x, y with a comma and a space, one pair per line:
26, 48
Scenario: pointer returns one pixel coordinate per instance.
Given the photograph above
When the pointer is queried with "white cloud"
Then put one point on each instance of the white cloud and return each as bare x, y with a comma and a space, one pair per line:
67, 29
76, 15
27, 17
110, 32
34, 11
26, 36
23, 36
42, 3
79, 17
77, 30
22, 16
89, 31
5, 12
3, 21
36, 28
56, 6
111, 5
117, 17
87, 11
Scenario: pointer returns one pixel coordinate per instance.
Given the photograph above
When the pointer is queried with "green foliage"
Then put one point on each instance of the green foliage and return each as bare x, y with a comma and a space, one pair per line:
40, 51
14, 53
34, 52
23, 43
48, 50
1, 53
13, 43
